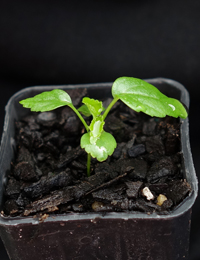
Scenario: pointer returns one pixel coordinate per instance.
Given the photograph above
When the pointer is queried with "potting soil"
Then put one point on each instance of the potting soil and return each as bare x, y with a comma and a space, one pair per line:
48, 175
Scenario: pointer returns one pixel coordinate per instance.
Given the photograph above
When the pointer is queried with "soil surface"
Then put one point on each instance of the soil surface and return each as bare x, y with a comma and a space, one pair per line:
49, 173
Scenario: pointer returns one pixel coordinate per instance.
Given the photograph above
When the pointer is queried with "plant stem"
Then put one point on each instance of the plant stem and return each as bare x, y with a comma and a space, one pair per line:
80, 117
87, 129
109, 107
88, 164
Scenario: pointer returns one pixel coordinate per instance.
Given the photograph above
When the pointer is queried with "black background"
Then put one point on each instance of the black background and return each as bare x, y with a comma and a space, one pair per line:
66, 42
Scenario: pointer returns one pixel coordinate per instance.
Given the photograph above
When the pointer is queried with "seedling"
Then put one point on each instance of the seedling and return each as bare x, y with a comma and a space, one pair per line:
135, 93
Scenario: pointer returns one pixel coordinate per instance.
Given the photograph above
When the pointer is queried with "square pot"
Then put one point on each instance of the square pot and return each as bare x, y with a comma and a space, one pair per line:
112, 236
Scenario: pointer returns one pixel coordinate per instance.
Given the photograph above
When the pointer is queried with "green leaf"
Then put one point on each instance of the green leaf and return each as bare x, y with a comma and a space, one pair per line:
95, 106
96, 128
47, 101
84, 110
104, 146
142, 96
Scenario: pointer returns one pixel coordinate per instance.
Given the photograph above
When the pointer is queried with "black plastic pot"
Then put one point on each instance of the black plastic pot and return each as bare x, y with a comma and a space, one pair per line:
114, 236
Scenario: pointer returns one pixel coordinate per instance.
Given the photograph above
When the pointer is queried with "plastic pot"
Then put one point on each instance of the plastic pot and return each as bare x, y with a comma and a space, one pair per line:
114, 236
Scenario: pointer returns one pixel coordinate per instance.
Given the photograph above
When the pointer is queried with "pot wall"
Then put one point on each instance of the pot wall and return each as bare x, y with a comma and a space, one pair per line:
100, 238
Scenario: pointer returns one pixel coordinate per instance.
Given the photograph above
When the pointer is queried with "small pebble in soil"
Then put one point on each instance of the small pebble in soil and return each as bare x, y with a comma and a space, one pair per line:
160, 199
147, 193
97, 205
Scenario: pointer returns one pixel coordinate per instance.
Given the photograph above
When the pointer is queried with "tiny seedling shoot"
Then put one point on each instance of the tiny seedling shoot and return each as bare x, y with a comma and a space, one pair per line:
135, 93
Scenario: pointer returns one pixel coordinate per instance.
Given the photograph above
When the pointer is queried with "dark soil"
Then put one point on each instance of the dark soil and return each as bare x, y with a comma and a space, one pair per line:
49, 172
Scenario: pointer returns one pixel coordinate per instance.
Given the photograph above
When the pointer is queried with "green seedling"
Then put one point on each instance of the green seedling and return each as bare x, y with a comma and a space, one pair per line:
135, 93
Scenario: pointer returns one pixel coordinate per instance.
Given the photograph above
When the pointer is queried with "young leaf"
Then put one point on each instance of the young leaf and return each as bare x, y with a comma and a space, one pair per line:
84, 110
104, 146
47, 101
95, 106
142, 96
96, 128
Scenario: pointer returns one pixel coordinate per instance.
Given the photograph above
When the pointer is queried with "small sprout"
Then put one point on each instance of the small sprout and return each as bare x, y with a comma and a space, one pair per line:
147, 193
135, 93
160, 199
